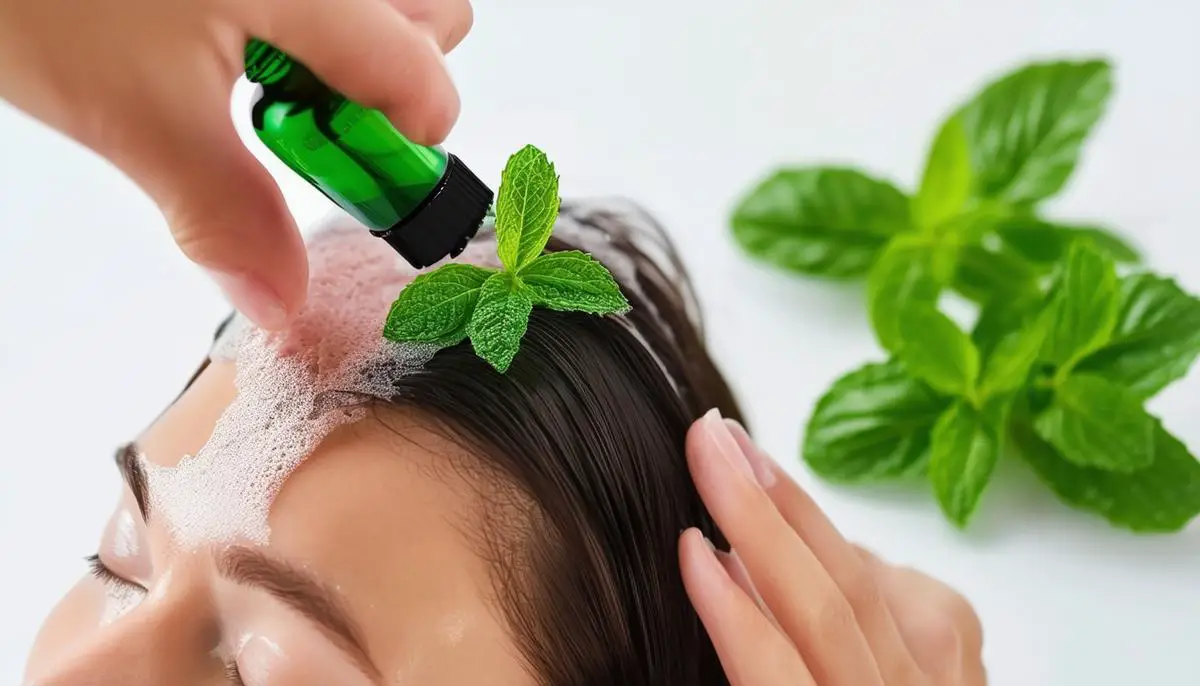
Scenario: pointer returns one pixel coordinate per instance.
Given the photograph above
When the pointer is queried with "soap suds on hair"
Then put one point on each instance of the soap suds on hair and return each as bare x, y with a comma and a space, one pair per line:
295, 387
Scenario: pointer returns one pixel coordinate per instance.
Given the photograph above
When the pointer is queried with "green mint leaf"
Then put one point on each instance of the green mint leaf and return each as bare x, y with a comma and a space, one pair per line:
937, 352
1025, 130
821, 221
526, 207
962, 456
946, 184
1096, 423
973, 225
437, 305
1161, 498
983, 274
909, 273
573, 281
500, 320
1008, 366
1000, 316
1086, 306
1044, 242
1157, 337
873, 423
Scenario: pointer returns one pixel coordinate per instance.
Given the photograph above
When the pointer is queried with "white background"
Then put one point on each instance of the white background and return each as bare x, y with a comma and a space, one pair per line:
680, 105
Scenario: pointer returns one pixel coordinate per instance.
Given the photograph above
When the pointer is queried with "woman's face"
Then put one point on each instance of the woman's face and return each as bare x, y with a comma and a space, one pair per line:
369, 576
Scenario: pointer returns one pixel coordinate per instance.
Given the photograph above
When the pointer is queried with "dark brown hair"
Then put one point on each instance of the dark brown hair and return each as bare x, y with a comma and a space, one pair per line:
584, 438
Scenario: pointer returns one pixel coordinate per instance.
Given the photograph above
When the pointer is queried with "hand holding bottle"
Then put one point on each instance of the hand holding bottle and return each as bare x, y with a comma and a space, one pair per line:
146, 84
798, 605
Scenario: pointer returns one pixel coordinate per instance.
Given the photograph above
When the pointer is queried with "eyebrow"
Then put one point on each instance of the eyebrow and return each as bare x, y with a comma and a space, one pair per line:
303, 593
129, 461
293, 587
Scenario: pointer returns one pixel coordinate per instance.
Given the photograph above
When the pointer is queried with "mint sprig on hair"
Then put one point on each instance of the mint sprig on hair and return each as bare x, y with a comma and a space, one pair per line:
492, 307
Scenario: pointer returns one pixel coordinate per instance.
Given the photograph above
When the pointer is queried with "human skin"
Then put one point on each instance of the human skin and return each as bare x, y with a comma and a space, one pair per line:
147, 84
384, 517
795, 603
374, 517
377, 517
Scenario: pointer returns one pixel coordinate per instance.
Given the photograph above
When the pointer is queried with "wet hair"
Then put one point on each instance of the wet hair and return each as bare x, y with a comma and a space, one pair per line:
586, 486
578, 455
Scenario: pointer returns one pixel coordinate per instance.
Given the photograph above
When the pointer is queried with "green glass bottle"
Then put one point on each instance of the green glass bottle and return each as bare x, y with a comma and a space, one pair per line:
424, 202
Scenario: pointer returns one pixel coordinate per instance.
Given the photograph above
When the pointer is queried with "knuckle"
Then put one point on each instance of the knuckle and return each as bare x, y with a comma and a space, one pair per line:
936, 639
833, 619
862, 590
212, 234
196, 244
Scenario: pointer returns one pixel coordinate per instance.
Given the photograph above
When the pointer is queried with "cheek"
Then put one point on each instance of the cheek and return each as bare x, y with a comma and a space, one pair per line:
75, 619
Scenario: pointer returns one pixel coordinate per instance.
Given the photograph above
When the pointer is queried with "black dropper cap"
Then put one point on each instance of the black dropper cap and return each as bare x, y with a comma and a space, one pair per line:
445, 222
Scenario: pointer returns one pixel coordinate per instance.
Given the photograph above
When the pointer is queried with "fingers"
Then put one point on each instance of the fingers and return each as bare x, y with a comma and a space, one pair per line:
224, 210
738, 574
737, 571
373, 54
448, 21
805, 601
752, 651
853, 577
939, 626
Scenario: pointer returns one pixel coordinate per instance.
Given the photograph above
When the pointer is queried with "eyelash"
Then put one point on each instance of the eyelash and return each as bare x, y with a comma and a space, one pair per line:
110, 578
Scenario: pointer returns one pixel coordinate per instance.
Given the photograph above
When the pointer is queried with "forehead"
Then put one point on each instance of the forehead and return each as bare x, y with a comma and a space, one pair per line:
377, 515
293, 388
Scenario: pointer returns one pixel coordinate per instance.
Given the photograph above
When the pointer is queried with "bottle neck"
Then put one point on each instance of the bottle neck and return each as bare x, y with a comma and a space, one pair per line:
280, 75
266, 64
300, 84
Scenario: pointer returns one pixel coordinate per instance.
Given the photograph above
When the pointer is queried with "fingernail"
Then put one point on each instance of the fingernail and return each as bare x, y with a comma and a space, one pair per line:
711, 565
760, 461
724, 442
253, 299
741, 576
737, 571
735, 568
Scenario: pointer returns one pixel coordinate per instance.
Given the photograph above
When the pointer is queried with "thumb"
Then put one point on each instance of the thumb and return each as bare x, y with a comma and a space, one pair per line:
228, 216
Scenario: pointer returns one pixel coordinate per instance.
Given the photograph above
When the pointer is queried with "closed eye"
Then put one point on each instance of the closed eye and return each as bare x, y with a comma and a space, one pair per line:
110, 578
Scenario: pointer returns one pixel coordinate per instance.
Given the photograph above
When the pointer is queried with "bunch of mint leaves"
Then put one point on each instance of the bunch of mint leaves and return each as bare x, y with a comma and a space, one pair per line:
457, 301
1070, 339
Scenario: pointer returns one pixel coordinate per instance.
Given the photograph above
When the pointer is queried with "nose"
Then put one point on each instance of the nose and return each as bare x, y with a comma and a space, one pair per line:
168, 639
